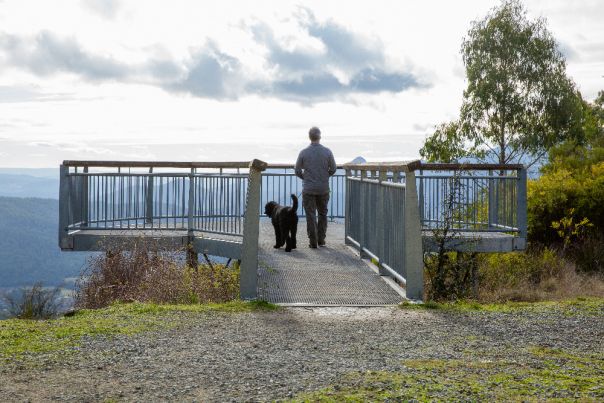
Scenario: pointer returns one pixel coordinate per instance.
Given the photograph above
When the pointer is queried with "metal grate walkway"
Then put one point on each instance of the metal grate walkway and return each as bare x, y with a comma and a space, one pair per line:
331, 275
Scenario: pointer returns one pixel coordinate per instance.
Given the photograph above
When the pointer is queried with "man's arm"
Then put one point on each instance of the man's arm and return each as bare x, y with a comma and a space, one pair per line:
299, 166
332, 164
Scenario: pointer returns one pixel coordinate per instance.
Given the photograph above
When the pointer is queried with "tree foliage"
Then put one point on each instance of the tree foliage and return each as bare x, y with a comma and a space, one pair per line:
518, 102
583, 152
565, 203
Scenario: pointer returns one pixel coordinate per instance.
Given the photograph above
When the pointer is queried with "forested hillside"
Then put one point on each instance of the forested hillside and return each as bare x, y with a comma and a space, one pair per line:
28, 244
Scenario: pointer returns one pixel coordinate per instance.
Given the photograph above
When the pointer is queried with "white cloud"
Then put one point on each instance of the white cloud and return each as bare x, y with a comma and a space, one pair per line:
347, 64
105, 8
135, 79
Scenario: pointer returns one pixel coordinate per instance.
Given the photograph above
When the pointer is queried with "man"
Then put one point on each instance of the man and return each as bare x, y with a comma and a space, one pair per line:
314, 166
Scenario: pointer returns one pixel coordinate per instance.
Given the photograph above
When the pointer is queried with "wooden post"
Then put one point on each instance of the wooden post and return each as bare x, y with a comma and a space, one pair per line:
251, 227
381, 228
493, 208
521, 214
362, 214
421, 197
347, 207
65, 242
192, 256
413, 253
85, 199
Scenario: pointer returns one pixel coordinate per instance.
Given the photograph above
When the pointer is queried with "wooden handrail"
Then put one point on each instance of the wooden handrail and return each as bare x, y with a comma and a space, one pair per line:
171, 164
403, 166
157, 164
470, 167
292, 166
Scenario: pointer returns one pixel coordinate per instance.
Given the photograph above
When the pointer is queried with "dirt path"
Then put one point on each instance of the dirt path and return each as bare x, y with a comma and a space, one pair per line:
275, 355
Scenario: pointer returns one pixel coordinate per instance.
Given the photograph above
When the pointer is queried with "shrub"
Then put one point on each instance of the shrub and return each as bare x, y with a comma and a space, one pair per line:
535, 275
561, 193
565, 211
450, 275
35, 302
147, 274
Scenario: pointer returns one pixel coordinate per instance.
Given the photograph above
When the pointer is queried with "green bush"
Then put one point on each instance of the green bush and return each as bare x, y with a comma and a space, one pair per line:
572, 184
515, 269
560, 194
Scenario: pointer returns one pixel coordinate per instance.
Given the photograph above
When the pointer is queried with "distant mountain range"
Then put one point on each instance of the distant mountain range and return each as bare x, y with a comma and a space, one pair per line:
29, 249
29, 182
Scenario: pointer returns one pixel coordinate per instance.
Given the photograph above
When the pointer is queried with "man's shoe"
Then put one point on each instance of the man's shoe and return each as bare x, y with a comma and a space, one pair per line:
321, 243
312, 246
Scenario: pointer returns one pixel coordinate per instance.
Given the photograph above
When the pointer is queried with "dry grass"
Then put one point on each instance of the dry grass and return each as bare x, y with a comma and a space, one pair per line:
35, 302
537, 275
146, 274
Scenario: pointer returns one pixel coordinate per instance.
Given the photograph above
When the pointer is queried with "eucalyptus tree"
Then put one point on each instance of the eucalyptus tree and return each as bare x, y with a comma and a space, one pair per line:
519, 101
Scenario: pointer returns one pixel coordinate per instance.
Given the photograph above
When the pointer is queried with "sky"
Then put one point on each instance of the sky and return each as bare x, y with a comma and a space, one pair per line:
237, 80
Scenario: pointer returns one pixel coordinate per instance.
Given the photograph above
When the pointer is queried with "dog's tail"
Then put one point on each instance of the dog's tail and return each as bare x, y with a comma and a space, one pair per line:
295, 203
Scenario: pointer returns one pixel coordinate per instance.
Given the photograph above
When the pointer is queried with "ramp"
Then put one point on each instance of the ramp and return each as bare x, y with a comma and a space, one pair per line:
330, 275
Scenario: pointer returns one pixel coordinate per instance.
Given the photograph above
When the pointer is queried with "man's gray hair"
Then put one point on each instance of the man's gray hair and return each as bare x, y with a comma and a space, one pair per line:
314, 133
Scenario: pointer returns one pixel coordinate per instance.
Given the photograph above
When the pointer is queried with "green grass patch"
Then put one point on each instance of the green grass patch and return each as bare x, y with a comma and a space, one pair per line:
19, 337
585, 306
546, 375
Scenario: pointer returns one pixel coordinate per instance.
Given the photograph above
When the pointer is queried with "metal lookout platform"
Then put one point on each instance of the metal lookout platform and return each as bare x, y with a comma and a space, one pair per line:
389, 214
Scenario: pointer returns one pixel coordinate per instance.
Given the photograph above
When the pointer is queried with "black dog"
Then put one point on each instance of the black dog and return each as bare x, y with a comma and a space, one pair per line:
285, 222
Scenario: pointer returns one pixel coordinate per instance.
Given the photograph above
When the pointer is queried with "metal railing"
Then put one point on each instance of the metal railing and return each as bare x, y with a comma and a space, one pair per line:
382, 220
134, 200
279, 182
130, 197
473, 197
209, 199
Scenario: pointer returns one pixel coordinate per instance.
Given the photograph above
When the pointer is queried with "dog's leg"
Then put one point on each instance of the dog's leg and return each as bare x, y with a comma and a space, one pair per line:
285, 235
278, 242
294, 228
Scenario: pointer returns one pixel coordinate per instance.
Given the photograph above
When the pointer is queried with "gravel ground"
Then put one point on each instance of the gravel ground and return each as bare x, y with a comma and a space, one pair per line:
274, 355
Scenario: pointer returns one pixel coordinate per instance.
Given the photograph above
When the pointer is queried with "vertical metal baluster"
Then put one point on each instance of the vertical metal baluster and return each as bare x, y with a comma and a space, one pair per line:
160, 198
213, 203
136, 191
112, 180
179, 205
231, 210
176, 201
207, 202
120, 199
202, 187
505, 198
216, 202
176, 207
96, 200
168, 208
141, 199
171, 182
127, 196
184, 195
221, 203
